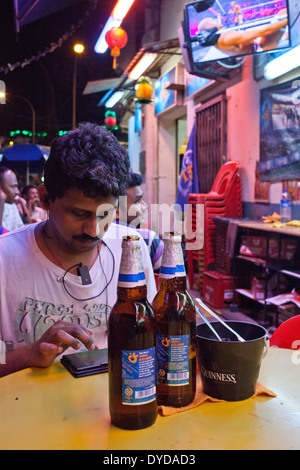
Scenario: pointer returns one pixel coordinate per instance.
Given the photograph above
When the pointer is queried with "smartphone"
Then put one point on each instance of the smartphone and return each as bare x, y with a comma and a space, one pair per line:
86, 363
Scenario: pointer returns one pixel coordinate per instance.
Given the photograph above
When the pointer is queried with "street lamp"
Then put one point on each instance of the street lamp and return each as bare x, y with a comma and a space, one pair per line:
78, 49
33, 128
32, 112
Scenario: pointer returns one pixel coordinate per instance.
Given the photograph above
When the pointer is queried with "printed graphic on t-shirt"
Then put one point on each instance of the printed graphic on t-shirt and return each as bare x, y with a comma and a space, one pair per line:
33, 317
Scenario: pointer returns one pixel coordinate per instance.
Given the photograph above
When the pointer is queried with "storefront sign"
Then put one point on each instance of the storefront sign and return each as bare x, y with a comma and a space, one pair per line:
165, 98
193, 84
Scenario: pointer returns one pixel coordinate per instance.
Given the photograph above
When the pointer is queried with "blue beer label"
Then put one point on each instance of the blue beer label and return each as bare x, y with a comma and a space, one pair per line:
138, 377
173, 359
178, 270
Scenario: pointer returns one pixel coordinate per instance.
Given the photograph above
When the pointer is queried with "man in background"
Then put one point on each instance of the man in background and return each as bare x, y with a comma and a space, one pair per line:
31, 196
135, 217
11, 219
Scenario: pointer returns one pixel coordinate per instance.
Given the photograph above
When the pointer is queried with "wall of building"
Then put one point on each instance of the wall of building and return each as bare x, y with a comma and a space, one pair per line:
134, 146
244, 137
149, 147
158, 137
243, 127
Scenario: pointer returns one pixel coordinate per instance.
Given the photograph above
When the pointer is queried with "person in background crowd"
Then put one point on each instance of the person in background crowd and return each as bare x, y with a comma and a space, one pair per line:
31, 196
11, 219
59, 277
135, 216
22, 208
2, 201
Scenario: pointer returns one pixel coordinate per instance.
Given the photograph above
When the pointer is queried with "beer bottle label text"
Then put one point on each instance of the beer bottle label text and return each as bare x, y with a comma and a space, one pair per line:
138, 377
173, 359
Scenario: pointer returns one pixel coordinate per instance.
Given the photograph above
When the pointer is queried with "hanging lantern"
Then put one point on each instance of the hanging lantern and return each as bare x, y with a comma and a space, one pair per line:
116, 39
110, 121
143, 90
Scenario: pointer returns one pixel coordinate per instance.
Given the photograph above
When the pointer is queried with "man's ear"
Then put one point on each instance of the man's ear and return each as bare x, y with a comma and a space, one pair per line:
44, 197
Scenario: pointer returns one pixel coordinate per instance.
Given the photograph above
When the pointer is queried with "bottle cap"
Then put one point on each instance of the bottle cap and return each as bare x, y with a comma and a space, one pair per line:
172, 264
131, 272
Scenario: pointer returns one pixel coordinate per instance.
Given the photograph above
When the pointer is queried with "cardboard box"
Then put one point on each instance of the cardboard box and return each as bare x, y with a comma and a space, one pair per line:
258, 288
257, 246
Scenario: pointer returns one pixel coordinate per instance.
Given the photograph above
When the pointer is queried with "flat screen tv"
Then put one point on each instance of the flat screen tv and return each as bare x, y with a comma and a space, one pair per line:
215, 30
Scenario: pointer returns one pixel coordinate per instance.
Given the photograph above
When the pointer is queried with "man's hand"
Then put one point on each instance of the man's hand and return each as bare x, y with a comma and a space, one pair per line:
43, 352
32, 202
56, 340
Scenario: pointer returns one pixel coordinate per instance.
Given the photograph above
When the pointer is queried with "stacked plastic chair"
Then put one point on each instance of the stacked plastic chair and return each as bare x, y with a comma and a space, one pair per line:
224, 200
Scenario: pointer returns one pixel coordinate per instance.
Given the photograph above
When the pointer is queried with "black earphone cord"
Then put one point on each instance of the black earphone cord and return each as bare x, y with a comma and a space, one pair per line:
107, 283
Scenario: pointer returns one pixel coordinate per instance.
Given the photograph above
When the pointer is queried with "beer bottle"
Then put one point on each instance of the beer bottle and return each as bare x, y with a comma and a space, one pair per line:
131, 345
176, 329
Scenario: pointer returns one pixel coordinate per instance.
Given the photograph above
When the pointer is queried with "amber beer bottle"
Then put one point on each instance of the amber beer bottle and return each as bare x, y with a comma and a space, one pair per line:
131, 345
176, 329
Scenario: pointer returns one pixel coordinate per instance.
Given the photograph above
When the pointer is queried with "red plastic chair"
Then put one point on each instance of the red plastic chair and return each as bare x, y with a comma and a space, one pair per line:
224, 179
287, 335
224, 199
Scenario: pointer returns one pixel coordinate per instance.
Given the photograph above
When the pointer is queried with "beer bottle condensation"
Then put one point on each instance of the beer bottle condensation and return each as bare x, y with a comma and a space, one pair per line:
131, 345
176, 329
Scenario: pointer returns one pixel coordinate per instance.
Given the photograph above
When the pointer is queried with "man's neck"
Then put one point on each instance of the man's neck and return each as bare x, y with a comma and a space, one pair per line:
63, 257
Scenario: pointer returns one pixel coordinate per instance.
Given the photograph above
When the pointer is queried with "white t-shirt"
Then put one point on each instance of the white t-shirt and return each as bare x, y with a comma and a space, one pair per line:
11, 218
38, 213
32, 295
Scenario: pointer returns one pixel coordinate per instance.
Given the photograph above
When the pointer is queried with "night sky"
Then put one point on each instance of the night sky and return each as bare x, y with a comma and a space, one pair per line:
47, 82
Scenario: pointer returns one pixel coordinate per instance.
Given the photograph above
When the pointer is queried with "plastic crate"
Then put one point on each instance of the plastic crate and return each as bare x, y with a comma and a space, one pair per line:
217, 288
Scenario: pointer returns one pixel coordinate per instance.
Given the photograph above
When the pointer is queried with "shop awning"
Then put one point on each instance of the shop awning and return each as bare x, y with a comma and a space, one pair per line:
97, 86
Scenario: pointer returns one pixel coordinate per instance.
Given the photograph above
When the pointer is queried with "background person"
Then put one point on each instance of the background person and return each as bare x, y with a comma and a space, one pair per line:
31, 196
135, 211
11, 219
2, 201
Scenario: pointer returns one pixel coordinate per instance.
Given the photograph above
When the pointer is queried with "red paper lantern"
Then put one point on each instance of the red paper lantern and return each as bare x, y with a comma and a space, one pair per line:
116, 39
110, 121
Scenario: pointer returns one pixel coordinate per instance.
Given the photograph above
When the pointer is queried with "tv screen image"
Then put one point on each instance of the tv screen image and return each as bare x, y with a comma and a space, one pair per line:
223, 29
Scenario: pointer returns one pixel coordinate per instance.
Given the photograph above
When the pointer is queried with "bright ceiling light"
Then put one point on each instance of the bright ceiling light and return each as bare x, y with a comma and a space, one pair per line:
121, 9
105, 97
283, 64
145, 62
115, 20
2, 92
114, 99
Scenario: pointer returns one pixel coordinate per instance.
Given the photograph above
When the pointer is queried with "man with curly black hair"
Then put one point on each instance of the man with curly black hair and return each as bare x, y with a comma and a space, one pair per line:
59, 276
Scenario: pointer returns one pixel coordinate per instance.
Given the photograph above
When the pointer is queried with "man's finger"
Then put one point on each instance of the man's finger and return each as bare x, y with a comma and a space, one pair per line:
72, 336
50, 349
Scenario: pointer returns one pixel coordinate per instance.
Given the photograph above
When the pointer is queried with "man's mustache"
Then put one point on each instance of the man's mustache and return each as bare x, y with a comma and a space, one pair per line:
85, 238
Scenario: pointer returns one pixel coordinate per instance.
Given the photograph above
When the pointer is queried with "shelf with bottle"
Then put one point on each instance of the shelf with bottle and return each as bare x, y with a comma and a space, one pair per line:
285, 207
288, 268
